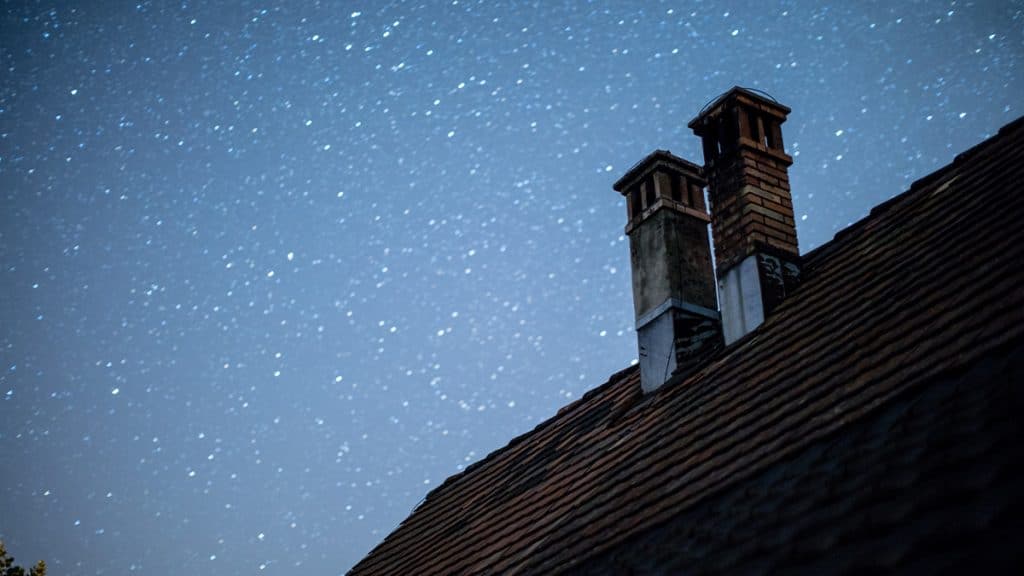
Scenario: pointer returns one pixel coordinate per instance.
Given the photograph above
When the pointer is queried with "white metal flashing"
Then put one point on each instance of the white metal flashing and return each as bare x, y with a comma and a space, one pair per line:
675, 303
656, 342
740, 294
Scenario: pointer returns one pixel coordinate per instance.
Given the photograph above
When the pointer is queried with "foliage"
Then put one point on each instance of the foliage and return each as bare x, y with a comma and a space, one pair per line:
7, 567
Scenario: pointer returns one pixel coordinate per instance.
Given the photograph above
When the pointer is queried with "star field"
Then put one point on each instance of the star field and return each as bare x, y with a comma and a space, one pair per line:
270, 272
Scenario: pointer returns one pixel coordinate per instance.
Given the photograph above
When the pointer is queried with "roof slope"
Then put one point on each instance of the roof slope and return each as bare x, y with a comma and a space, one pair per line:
929, 483
929, 282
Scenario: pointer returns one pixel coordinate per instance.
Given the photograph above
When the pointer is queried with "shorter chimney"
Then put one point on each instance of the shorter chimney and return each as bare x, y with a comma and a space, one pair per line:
756, 253
677, 320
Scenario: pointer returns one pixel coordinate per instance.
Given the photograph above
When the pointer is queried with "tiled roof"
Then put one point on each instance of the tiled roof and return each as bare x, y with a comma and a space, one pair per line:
928, 284
929, 483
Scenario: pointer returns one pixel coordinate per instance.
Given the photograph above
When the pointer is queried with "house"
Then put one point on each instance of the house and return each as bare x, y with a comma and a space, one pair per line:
855, 409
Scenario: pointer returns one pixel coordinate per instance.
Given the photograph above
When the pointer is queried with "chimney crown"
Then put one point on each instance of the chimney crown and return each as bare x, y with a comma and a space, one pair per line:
662, 180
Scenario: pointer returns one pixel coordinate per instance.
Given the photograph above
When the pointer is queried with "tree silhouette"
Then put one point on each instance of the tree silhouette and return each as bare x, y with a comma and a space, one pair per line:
7, 567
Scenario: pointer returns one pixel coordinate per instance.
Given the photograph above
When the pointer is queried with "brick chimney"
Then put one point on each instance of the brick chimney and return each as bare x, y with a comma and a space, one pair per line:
756, 253
677, 320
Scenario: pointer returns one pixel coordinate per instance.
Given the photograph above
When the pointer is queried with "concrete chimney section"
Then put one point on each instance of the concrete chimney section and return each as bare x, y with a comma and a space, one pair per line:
756, 252
677, 320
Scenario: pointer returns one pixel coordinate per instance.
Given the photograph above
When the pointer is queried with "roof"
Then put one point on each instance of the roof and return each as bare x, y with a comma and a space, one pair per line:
927, 284
927, 483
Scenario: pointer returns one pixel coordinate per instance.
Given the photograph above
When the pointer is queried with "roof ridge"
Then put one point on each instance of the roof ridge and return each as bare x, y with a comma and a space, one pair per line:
917, 185
614, 379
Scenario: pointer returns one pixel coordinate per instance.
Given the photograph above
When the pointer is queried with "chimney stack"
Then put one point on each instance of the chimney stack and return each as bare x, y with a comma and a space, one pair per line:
756, 253
677, 320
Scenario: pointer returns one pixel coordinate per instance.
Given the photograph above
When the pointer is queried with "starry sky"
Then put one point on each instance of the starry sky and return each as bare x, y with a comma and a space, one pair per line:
271, 271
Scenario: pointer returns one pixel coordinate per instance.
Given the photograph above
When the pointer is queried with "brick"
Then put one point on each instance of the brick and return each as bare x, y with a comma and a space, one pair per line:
773, 233
777, 173
769, 214
778, 208
764, 195
779, 224
783, 245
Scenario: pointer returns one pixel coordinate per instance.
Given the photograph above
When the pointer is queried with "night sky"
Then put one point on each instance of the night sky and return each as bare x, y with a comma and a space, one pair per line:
269, 273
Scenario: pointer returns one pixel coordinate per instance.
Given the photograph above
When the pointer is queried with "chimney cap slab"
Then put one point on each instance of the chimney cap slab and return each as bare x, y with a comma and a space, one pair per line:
653, 160
751, 97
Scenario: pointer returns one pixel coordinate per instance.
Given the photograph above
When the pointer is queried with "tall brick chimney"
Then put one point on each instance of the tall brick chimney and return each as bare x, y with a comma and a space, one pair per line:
677, 320
756, 253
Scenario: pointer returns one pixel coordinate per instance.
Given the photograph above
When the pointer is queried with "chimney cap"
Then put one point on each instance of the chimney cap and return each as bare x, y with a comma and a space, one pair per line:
750, 96
653, 160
